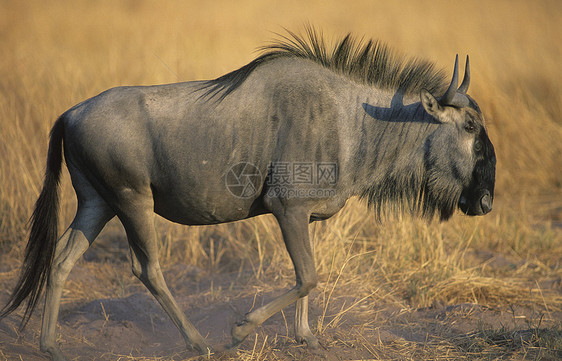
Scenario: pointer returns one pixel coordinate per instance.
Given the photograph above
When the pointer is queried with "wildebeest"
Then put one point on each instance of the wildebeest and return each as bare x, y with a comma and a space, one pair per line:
295, 133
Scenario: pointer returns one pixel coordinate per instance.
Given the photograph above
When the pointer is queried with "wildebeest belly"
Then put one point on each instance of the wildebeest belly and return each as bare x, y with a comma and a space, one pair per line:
208, 204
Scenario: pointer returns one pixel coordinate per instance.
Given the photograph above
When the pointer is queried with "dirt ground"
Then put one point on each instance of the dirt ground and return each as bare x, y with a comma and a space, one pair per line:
108, 315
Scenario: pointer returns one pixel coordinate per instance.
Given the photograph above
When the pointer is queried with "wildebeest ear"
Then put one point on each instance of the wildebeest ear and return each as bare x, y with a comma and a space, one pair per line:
430, 104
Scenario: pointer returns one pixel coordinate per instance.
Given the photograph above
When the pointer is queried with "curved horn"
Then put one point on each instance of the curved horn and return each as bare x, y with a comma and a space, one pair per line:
447, 98
466, 80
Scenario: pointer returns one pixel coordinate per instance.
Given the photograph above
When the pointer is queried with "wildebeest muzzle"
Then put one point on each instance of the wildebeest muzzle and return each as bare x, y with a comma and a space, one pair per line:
478, 197
476, 203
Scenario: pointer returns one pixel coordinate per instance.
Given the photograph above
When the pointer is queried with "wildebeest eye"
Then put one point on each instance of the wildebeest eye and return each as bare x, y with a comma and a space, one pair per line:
469, 126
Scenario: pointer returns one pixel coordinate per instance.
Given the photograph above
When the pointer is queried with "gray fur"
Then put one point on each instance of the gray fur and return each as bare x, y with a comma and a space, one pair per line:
132, 151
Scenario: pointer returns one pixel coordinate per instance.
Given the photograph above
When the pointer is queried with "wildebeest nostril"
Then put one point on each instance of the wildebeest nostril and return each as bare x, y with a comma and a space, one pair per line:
486, 203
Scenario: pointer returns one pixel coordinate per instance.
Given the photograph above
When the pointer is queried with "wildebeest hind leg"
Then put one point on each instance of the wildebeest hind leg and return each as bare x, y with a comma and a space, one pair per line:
91, 217
139, 225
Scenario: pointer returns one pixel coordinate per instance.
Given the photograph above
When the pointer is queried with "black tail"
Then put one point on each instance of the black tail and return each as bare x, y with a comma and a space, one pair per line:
40, 249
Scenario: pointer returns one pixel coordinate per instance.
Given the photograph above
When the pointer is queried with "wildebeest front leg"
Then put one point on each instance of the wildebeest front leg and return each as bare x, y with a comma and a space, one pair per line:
294, 227
302, 329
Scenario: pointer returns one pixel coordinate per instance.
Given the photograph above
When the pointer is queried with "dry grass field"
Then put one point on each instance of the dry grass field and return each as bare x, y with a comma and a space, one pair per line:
471, 288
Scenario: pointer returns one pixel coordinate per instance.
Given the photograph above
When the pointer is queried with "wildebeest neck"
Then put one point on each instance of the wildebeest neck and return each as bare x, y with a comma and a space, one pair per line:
389, 161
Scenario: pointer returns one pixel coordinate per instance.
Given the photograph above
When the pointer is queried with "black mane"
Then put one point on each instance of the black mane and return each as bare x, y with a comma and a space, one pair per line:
370, 62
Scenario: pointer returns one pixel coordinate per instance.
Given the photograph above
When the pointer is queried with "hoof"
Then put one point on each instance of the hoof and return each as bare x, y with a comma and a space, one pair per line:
202, 347
310, 340
55, 353
239, 333
207, 351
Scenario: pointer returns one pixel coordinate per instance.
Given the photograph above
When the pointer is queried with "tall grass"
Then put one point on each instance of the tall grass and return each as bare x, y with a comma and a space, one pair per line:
57, 54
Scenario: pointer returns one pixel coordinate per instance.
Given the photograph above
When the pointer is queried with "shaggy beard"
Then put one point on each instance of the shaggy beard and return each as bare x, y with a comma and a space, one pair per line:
418, 196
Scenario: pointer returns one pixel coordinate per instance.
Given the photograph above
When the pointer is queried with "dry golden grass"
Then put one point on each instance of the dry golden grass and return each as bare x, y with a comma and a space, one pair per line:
57, 54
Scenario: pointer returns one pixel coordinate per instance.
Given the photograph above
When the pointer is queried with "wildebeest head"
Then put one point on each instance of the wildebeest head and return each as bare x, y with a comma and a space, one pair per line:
459, 156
